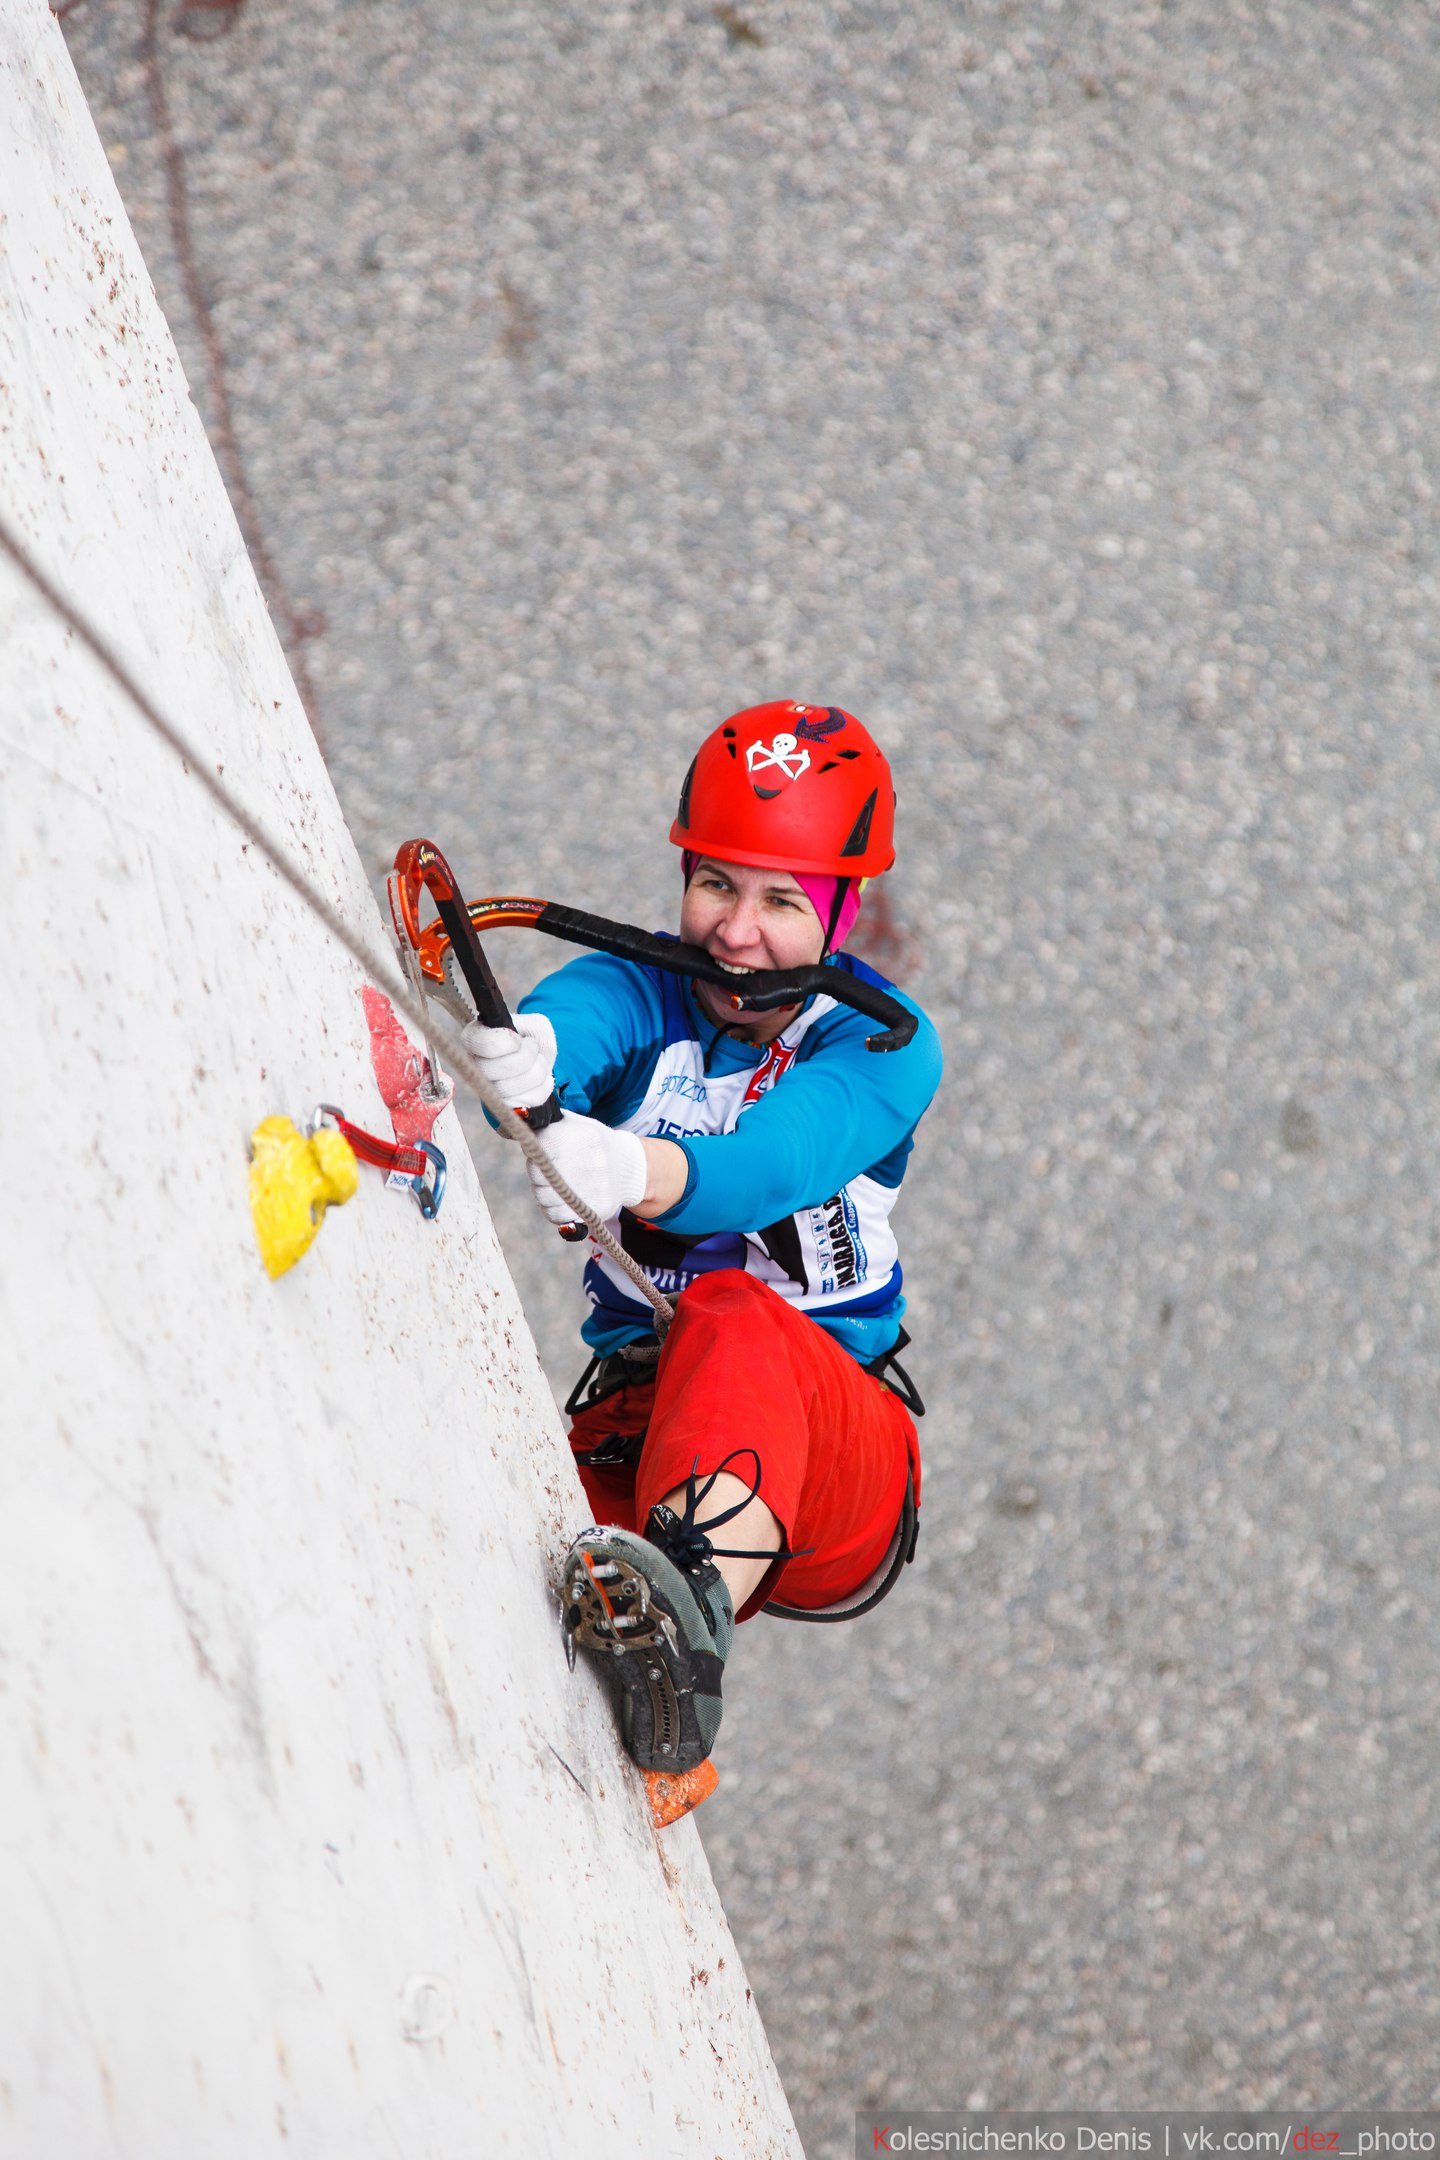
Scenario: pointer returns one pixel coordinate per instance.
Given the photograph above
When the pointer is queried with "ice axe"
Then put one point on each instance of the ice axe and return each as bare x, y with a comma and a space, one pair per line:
764, 990
421, 864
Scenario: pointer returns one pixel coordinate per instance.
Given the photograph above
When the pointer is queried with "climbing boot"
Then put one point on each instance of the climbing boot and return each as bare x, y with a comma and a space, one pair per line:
657, 1617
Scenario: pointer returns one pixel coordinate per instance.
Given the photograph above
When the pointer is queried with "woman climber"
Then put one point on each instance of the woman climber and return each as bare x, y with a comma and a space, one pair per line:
749, 1163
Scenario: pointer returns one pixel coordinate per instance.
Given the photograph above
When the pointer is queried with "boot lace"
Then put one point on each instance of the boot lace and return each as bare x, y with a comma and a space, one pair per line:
687, 1542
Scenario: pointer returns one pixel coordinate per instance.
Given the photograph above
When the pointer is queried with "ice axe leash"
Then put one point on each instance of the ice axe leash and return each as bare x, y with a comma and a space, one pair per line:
200, 768
420, 865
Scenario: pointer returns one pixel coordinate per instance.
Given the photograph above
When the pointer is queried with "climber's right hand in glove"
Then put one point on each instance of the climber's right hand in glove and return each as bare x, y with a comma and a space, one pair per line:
606, 1168
518, 1062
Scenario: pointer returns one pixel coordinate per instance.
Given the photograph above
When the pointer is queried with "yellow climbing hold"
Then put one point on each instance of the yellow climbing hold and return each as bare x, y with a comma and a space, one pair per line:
292, 1181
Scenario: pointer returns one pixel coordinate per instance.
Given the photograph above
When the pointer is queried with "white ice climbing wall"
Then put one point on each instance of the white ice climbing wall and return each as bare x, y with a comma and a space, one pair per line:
307, 1839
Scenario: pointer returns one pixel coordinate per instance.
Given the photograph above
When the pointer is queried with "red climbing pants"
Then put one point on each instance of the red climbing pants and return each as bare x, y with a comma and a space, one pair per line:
741, 1368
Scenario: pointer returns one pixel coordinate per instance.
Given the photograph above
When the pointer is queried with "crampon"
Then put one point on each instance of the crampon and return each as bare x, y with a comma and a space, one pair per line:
608, 1607
659, 1637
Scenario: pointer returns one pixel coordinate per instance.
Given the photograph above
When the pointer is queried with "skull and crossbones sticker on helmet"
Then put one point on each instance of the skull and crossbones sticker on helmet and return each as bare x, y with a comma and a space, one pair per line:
782, 755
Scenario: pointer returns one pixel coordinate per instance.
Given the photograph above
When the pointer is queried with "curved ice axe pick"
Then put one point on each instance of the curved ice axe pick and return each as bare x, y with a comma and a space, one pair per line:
420, 863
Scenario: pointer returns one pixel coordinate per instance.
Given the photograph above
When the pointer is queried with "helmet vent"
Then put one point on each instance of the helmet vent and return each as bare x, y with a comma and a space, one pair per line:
847, 753
682, 814
860, 830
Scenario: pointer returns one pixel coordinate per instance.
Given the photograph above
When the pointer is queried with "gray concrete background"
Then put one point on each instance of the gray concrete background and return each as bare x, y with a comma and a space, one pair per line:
1053, 384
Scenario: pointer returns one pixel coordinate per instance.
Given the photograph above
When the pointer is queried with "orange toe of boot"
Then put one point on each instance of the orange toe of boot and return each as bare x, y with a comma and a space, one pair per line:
673, 1793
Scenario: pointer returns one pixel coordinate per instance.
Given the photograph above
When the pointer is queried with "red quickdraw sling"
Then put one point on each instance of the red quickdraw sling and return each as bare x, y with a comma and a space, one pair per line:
420, 1163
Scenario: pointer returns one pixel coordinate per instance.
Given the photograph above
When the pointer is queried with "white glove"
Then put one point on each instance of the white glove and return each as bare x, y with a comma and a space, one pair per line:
607, 1168
518, 1062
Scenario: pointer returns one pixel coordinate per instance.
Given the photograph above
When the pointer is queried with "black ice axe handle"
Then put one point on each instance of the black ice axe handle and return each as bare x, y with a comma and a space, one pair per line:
764, 991
422, 863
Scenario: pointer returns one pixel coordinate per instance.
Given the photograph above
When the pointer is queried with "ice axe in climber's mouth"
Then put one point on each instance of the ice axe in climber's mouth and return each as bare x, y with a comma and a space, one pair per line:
453, 939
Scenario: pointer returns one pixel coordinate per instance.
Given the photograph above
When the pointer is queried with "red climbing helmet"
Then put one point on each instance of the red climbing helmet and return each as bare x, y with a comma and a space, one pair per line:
790, 787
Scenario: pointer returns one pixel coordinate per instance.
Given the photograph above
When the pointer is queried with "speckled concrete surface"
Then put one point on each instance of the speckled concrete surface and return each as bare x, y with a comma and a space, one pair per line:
1054, 385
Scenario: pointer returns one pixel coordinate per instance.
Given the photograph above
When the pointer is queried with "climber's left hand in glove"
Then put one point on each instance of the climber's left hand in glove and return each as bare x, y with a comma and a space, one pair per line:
606, 1168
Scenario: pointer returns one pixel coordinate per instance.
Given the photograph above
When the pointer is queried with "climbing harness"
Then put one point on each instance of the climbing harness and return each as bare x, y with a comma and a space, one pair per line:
888, 1370
891, 1374
629, 1366
415, 1166
606, 1375
898, 1555
632, 1363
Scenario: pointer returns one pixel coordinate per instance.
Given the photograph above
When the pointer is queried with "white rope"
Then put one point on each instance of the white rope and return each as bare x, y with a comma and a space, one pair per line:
401, 996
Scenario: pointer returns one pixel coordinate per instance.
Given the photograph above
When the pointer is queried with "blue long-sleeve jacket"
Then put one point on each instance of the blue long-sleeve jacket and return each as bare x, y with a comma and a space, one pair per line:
796, 1149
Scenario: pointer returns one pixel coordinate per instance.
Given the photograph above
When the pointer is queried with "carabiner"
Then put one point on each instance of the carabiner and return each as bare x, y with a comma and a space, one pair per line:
429, 1185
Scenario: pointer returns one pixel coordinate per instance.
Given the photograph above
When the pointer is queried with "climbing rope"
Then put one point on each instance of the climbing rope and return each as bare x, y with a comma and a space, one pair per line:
401, 996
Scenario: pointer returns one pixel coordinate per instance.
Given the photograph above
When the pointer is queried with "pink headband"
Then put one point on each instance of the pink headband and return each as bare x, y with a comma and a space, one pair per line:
818, 890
